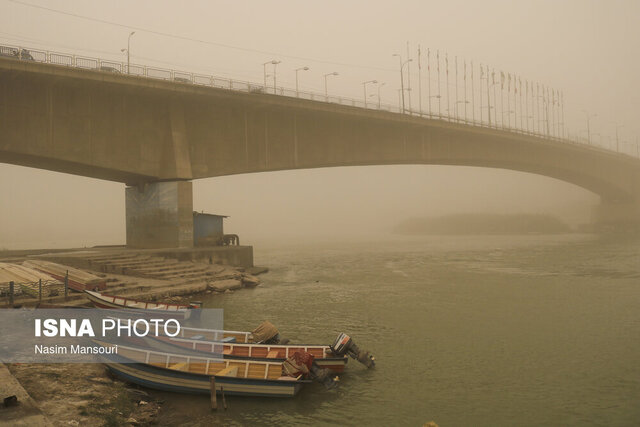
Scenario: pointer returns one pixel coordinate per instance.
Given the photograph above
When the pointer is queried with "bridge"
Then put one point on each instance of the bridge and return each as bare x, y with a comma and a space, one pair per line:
156, 132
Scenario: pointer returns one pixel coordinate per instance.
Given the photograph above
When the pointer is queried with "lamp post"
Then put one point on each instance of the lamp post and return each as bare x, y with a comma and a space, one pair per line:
402, 64
326, 92
379, 86
275, 63
264, 68
435, 96
589, 116
129, 50
364, 85
617, 141
299, 69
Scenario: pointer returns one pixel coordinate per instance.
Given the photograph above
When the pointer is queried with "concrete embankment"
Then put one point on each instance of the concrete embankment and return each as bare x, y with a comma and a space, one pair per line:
140, 275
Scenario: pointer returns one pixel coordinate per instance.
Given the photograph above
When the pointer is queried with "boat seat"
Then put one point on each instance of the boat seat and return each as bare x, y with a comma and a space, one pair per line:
273, 354
231, 371
228, 339
178, 366
197, 337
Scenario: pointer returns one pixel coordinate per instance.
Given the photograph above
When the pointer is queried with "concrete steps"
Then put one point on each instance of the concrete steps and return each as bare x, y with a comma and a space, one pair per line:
143, 276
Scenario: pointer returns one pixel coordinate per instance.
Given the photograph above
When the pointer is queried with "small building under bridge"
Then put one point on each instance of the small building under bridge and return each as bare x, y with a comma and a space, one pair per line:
208, 230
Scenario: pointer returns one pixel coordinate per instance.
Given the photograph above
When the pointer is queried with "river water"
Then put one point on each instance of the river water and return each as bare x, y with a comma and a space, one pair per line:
482, 331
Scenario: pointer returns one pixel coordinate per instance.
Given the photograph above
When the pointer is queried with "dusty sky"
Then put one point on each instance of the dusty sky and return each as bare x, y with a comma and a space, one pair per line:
589, 49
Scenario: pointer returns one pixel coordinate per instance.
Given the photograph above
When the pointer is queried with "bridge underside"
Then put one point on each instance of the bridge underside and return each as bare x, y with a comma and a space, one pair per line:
149, 133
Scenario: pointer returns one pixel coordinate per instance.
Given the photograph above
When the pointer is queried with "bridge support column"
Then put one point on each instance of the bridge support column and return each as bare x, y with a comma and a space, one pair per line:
617, 215
160, 215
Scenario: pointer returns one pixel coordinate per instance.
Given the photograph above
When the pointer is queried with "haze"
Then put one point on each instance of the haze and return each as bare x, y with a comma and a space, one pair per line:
586, 48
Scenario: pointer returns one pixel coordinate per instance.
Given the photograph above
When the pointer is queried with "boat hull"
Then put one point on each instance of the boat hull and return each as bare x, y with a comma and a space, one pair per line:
161, 343
99, 301
186, 382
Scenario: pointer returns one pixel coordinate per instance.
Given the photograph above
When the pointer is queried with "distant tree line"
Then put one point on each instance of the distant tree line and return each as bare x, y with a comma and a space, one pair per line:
483, 224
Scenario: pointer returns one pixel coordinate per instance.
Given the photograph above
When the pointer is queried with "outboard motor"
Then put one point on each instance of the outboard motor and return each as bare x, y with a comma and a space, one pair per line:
302, 363
345, 345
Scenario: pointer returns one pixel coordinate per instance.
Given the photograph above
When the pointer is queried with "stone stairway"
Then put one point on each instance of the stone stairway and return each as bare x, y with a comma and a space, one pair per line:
143, 276
178, 272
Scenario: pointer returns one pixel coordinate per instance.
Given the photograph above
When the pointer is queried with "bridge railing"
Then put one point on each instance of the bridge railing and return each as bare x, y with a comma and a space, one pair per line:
182, 77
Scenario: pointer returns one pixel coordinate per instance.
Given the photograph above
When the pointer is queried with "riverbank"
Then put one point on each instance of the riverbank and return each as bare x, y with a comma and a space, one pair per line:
134, 274
84, 394
18, 408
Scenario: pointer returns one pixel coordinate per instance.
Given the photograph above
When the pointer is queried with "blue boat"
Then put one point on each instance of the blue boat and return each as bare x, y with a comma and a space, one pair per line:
189, 374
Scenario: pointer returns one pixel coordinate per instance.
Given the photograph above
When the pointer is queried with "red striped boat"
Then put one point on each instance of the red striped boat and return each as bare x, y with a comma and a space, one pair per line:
323, 356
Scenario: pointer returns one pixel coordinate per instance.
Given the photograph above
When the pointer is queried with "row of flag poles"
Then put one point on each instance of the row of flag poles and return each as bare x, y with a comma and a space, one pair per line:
494, 98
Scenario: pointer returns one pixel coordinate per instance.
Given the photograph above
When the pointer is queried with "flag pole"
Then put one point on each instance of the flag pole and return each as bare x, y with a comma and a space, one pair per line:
502, 99
509, 100
562, 109
481, 73
520, 84
429, 78
446, 60
409, 78
548, 124
455, 107
537, 108
526, 102
465, 91
419, 82
489, 92
439, 97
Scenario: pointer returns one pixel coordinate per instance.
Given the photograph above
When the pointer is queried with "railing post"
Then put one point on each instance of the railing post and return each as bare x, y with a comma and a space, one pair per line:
66, 285
212, 390
40, 290
11, 294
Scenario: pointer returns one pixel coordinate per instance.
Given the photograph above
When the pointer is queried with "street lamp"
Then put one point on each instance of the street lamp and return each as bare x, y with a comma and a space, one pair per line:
298, 69
617, 143
364, 85
264, 67
326, 93
589, 116
379, 86
402, 64
129, 50
274, 75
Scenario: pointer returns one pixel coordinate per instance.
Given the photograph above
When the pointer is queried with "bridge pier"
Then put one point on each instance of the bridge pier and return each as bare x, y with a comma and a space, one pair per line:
617, 215
160, 215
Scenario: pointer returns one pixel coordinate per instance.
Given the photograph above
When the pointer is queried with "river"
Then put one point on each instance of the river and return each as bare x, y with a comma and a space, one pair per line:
482, 330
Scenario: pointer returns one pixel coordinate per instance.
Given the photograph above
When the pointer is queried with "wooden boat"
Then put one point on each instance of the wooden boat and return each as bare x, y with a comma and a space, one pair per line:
212, 334
79, 280
162, 310
189, 374
323, 356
